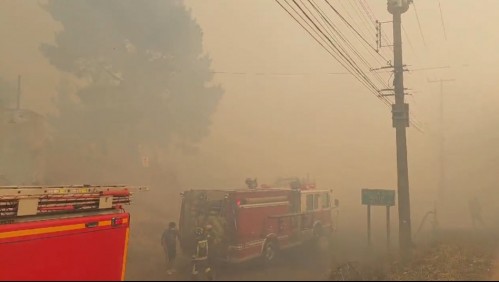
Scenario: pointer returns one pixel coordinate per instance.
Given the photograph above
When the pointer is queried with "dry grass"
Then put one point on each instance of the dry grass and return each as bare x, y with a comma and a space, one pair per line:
455, 256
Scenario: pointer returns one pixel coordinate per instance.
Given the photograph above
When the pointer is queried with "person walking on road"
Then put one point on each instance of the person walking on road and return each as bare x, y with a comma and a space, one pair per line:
169, 243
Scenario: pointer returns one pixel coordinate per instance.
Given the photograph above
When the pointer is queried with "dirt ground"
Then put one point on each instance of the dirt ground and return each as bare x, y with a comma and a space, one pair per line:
457, 255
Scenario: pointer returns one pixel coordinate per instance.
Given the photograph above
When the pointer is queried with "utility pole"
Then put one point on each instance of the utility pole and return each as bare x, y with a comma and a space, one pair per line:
400, 117
441, 187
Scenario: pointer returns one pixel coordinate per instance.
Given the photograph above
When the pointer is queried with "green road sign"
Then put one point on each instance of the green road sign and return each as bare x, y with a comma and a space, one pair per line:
378, 197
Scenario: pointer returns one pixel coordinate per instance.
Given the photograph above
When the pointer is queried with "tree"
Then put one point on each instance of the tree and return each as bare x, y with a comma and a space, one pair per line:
146, 81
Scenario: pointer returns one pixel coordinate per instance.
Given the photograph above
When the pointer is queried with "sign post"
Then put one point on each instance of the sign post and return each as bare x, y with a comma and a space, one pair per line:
388, 227
378, 197
369, 226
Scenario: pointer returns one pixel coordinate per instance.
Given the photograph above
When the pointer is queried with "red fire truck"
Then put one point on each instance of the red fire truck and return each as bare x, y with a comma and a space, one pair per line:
256, 222
64, 232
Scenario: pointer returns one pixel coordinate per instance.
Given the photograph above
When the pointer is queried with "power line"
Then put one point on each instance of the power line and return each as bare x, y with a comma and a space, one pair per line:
352, 18
368, 12
364, 15
349, 25
342, 37
372, 51
408, 40
361, 17
366, 7
242, 73
317, 40
413, 121
442, 19
342, 54
370, 25
347, 42
366, 27
373, 18
419, 24
348, 64
308, 31
279, 73
431, 68
349, 45
333, 47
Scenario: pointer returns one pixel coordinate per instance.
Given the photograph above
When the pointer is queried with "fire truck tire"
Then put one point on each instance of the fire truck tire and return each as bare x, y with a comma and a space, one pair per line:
269, 252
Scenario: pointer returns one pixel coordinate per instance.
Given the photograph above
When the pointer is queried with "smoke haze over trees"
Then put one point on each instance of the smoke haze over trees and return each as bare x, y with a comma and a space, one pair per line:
144, 85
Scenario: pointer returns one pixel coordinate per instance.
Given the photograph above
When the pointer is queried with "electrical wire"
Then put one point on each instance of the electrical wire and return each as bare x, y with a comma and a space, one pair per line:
328, 35
419, 24
442, 19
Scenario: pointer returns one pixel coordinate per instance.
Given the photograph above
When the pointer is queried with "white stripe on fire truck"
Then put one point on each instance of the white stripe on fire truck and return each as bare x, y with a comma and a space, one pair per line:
247, 244
264, 205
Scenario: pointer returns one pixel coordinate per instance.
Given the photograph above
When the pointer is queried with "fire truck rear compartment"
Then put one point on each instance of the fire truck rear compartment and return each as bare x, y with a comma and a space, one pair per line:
200, 208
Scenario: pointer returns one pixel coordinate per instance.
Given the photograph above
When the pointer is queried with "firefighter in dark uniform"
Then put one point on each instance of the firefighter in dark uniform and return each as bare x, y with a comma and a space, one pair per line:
212, 243
201, 259
169, 243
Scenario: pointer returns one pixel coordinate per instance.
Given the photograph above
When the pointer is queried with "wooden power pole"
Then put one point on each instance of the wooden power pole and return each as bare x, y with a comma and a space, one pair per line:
400, 116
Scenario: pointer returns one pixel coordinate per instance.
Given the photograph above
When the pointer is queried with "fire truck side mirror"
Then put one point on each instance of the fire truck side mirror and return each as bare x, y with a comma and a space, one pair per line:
336, 202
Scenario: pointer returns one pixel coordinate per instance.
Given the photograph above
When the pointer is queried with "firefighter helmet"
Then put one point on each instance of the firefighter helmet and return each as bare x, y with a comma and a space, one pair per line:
199, 231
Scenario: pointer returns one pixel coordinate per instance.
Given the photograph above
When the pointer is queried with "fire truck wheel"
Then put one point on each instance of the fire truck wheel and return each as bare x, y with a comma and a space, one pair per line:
269, 252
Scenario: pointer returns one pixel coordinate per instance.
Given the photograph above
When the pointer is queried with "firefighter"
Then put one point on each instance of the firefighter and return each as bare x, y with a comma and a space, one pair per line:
169, 243
212, 239
201, 260
252, 183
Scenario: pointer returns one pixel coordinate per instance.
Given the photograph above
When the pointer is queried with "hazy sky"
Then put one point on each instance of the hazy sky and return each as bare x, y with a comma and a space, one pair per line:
332, 114
327, 126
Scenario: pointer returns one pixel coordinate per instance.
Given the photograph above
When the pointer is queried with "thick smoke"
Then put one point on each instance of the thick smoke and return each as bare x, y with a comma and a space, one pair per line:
144, 87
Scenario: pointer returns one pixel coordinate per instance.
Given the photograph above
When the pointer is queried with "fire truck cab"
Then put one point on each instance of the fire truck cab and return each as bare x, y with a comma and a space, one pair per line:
256, 222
